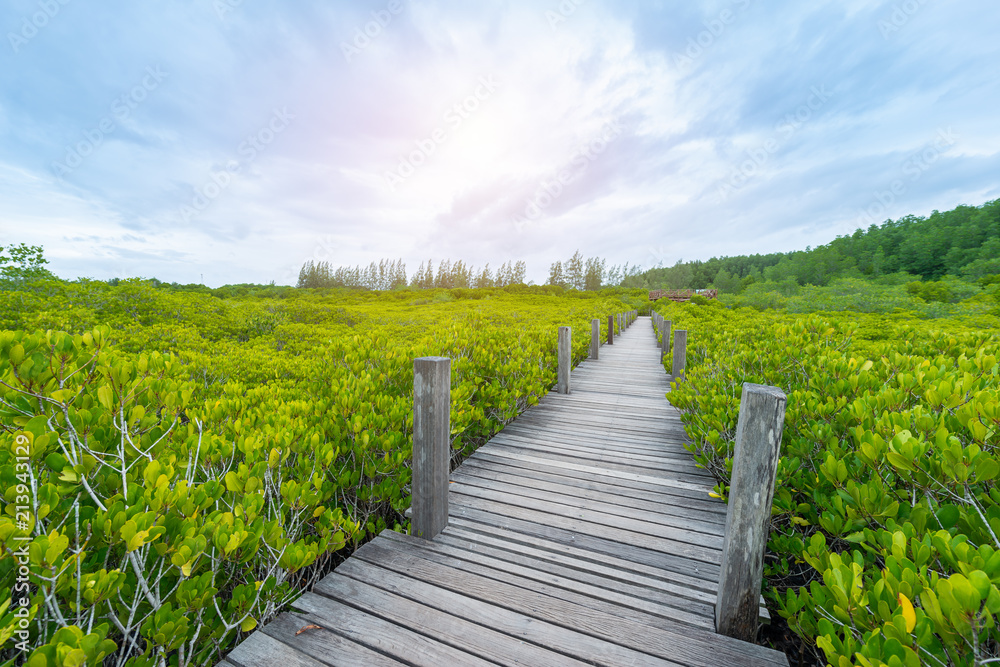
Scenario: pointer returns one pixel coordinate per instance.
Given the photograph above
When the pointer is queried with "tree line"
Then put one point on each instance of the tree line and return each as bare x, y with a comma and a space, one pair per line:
588, 274
963, 242
577, 273
389, 275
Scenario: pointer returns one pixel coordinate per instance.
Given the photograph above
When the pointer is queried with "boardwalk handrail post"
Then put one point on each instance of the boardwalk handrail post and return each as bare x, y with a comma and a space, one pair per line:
680, 354
431, 445
565, 358
665, 326
611, 329
748, 517
595, 338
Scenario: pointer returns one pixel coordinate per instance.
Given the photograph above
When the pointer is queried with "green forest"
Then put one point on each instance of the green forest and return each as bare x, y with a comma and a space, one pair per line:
963, 244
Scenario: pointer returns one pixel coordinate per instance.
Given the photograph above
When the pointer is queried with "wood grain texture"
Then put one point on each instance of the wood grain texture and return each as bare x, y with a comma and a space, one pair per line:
748, 521
595, 339
565, 358
431, 445
680, 354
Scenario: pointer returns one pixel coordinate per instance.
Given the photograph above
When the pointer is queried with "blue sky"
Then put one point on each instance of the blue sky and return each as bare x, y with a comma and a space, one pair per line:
238, 139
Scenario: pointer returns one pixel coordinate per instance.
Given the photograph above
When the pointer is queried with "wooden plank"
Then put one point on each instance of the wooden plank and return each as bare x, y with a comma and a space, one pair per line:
656, 542
508, 573
618, 495
383, 636
684, 644
556, 637
611, 589
697, 488
614, 439
652, 492
598, 545
277, 643
592, 514
455, 630
609, 568
539, 492
614, 460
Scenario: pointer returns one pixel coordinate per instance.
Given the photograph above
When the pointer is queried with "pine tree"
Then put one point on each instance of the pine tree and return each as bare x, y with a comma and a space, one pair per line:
573, 270
556, 274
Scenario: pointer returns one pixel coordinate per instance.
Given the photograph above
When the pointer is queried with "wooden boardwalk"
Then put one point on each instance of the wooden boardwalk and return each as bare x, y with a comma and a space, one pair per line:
582, 534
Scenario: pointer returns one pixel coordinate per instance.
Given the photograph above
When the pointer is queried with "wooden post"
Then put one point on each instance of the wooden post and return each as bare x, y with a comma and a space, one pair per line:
431, 445
565, 358
748, 518
595, 338
665, 343
611, 329
680, 353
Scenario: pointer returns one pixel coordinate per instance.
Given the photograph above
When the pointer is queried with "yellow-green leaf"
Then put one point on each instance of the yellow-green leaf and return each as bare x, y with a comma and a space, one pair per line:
908, 614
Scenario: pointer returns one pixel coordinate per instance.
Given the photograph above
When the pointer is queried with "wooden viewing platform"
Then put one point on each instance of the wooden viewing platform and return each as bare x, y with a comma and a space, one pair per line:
582, 534
681, 295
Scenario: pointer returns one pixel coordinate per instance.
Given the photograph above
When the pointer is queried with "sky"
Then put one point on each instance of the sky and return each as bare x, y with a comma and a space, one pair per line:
231, 141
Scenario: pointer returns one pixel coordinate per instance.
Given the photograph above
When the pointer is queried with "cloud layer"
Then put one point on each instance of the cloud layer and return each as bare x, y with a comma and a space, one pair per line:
236, 140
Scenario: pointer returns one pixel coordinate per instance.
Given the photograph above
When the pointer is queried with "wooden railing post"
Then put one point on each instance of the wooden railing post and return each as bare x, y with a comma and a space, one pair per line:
595, 338
680, 353
611, 329
565, 358
748, 518
665, 343
431, 445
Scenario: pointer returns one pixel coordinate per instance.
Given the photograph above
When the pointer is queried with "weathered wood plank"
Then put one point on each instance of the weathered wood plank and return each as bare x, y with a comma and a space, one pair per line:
570, 489
600, 545
508, 573
608, 569
277, 643
383, 636
614, 590
498, 617
652, 492
684, 644
455, 630
703, 542
702, 488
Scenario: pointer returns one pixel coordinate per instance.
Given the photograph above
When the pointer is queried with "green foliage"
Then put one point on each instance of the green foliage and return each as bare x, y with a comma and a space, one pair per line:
883, 544
181, 466
962, 242
20, 263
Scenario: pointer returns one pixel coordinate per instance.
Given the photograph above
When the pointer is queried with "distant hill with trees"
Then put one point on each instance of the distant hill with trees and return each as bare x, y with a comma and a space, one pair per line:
963, 242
